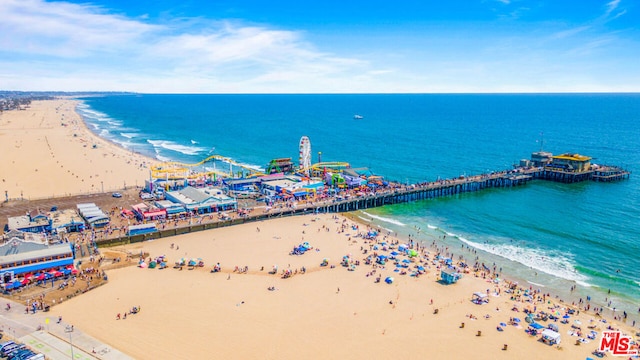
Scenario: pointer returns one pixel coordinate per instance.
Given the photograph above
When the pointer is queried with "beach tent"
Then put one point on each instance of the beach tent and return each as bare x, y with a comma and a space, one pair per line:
479, 298
550, 337
388, 280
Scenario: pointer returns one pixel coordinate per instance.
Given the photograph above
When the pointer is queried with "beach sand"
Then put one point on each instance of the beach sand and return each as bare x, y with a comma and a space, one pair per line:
324, 313
49, 152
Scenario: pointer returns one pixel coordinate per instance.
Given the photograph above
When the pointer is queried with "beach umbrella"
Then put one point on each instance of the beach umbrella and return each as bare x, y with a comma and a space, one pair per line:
577, 322
413, 253
421, 268
24, 281
74, 271
16, 284
143, 264
58, 274
406, 261
388, 280
516, 320
503, 324
394, 253
566, 316
41, 277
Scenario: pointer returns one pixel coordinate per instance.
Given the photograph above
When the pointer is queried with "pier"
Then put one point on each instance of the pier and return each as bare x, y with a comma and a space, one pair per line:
399, 194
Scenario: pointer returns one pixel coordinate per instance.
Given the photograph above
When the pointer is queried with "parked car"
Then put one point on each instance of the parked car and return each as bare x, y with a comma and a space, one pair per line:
116, 195
146, 196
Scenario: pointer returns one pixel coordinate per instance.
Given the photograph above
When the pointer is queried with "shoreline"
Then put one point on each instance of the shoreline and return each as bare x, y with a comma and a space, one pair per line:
571, 298
53, 153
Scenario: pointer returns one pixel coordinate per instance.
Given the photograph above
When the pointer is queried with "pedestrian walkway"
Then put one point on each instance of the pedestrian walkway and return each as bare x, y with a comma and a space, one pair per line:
54, 340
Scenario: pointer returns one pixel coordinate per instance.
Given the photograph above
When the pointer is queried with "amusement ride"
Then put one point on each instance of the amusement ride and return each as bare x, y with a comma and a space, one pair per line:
177, 171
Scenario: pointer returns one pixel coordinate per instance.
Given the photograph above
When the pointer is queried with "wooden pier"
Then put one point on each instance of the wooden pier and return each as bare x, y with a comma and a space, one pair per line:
400, 194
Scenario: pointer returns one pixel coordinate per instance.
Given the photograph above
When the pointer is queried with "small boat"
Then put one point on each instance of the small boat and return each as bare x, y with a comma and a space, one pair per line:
358, 117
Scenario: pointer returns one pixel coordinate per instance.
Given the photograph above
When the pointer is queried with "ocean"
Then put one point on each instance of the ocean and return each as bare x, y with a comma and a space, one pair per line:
549, 236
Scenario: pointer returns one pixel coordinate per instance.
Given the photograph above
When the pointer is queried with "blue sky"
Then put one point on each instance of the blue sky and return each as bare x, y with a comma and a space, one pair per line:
189, 46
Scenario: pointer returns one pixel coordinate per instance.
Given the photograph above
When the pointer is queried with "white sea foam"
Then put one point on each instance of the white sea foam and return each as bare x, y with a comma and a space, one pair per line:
252, 167
536, 284
170, 145
432, 227
384, 219
553, 263
129, 135
365, 219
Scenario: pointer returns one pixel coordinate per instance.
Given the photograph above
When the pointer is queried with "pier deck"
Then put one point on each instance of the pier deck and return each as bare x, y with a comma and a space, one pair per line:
399, 194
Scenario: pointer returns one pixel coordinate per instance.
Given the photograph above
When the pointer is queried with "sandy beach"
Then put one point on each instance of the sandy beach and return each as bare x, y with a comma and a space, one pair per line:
325, 312
49, 152
319, 312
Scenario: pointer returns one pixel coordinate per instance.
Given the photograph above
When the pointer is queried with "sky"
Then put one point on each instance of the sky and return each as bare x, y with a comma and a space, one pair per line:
310, 46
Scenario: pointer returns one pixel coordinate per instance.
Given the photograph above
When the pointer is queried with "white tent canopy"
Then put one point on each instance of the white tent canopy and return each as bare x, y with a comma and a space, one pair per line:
551, 336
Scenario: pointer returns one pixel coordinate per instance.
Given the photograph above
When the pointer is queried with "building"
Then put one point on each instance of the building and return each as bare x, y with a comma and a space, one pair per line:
66, 221
92, 214
172, 209
571, 162
34, 221
281, 165
202, 201
22, 255
144, 212
541, 158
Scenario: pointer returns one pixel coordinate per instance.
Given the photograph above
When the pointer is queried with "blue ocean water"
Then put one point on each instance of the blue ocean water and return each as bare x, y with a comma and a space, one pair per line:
548, 234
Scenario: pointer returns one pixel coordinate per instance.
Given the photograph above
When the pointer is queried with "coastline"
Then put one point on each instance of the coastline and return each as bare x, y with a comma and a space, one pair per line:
405, 332
53, 153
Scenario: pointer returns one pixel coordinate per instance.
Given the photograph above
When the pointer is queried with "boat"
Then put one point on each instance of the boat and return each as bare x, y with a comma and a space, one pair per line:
358, 117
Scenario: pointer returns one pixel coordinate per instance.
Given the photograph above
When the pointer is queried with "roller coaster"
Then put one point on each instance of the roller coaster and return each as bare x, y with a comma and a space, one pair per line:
320, 168
173, 170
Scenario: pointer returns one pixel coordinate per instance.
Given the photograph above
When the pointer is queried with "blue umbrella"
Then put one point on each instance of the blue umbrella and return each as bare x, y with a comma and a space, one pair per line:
421, 268
566, 316
516, 320
16, 284
406, 261
503, 324
388, 280
394, 253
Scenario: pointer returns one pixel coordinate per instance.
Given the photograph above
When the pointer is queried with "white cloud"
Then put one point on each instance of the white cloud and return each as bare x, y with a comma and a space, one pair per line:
64, 46
611, 6
64, 29
103, 48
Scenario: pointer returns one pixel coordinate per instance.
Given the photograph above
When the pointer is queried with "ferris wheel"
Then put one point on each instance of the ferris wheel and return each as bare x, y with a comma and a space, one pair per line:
305, 154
